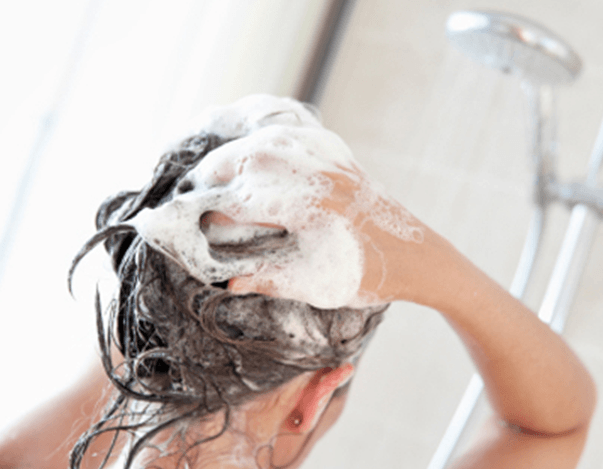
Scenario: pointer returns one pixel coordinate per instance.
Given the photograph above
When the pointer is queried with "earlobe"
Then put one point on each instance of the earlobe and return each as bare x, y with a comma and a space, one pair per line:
315, 397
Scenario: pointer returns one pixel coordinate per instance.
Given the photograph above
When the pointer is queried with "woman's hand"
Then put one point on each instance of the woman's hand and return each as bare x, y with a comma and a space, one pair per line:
402, 258
398, 253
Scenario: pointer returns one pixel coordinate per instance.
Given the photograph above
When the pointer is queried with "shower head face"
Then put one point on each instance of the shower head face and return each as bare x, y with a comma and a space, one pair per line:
514, 45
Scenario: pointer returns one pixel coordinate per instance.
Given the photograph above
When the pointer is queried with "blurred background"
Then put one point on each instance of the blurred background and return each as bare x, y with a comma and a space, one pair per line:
94, 91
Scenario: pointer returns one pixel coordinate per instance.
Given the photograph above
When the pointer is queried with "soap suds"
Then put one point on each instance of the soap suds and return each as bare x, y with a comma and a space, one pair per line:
275, 172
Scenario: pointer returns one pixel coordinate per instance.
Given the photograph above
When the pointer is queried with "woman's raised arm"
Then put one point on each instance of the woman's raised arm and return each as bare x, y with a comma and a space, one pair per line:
535, 383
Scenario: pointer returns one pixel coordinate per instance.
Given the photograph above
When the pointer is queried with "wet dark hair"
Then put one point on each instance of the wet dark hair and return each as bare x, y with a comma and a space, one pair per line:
189, 349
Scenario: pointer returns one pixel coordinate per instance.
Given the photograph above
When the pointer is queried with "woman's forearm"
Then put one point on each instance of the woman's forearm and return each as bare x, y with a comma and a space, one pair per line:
532, 377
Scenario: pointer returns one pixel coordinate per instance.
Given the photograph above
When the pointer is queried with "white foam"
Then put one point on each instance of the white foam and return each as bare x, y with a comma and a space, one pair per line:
272, 174
253, 112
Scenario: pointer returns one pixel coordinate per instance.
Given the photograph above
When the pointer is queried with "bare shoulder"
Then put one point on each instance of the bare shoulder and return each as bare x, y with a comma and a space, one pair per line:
45, 437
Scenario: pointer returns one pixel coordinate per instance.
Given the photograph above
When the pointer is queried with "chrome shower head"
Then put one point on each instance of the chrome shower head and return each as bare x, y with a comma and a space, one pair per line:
514, 45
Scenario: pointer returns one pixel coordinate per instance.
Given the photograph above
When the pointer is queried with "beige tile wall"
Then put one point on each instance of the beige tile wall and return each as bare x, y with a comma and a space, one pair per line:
448, 138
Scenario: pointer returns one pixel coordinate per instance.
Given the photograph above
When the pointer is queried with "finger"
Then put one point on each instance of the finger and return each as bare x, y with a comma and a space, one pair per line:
245, 285
216, 218
221, 219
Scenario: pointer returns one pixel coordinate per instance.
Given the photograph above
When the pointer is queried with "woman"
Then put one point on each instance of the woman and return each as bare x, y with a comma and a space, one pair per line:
253, 269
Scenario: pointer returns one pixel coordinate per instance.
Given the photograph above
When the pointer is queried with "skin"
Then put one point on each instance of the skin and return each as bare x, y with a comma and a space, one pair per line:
538, 387
44, 439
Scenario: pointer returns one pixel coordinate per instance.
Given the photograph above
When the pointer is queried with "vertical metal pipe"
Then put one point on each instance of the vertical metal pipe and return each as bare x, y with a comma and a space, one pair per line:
574, 251
569, 267
543, 136
529, 253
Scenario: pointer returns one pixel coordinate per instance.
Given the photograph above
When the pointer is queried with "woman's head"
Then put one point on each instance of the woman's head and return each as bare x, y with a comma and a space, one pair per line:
192, 349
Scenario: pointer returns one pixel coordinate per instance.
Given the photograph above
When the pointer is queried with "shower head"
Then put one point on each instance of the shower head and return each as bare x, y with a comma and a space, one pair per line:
514, 45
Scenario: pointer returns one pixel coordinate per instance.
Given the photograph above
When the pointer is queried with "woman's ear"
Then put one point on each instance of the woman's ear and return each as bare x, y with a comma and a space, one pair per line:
315, 396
